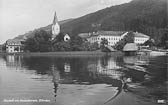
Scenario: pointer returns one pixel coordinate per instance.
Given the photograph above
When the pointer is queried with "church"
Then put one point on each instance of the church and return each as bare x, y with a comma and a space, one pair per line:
56, 29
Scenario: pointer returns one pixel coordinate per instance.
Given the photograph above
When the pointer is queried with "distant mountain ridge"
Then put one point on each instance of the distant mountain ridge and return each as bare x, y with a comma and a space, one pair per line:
46, 28
145, 16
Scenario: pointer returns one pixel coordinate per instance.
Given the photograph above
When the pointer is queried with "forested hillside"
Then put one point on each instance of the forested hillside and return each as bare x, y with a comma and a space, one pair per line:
145, 16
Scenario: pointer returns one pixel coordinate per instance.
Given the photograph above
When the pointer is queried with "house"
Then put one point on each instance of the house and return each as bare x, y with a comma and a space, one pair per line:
112, 37
130, 49
66, 37
14, 45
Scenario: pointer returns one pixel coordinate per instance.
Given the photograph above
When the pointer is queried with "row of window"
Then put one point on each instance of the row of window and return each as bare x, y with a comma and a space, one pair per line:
140, 39
14, 44
112, 38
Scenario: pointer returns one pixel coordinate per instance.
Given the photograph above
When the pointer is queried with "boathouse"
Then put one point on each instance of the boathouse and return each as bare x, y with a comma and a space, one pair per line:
130, 49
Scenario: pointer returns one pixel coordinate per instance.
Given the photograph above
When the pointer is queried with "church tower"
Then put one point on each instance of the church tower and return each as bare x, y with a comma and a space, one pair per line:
55, 27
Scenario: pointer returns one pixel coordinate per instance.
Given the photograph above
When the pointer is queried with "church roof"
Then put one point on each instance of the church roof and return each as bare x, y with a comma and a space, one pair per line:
55, 19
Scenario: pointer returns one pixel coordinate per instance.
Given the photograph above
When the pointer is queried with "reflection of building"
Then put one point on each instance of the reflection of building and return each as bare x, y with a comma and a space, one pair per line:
14, 45
56, 78
130, 59
110, 68
113, 37
13, 61
67, 68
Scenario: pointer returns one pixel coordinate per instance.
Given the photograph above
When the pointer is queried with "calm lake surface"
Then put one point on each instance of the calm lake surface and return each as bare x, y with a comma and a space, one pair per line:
50, 80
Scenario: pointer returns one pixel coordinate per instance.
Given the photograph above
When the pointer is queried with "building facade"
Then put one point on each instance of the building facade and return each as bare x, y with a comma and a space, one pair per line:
112, 37
14, 45
140, 38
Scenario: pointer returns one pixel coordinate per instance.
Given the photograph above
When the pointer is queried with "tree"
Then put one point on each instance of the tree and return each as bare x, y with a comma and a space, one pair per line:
103, 44
62, 46
39, 43
4, 47
164, 40
76, 43
87, 46
31, 45
149, 43
129, 38
59, 38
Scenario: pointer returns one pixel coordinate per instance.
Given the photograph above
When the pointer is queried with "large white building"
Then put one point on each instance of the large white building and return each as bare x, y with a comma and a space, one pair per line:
113, 37
140, 38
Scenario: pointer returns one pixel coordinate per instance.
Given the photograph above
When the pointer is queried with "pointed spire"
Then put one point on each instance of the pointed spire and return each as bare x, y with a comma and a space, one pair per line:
55, 18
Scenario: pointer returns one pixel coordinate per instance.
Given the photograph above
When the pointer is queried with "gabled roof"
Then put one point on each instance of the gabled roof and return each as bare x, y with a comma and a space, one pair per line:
84, 35
137, 34
111, 33
16, 41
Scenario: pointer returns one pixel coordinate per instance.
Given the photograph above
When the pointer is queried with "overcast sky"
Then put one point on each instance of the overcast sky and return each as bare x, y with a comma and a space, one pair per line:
20, 16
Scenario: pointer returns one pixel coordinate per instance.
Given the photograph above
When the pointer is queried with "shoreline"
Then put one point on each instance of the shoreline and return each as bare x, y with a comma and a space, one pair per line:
128, 98
66, 53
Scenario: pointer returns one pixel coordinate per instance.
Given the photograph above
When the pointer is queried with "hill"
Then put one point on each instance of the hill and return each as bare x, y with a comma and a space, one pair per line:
146, 16
46, 28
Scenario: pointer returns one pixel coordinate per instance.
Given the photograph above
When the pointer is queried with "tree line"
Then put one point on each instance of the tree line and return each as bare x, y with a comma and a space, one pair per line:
41, 42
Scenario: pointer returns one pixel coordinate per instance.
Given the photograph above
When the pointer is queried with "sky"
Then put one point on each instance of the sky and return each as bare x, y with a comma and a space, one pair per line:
21, 16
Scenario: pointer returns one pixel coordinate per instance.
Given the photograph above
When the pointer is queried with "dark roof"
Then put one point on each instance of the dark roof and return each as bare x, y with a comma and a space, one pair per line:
84, 35
137, 34
16, 41
109, 33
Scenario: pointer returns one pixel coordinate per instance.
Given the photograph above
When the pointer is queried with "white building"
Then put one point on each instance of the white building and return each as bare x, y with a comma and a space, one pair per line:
112, 36
14, 45
140, 38
66, 37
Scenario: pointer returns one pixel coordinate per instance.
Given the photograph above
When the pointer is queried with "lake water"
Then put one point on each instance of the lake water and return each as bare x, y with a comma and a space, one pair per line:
50, 80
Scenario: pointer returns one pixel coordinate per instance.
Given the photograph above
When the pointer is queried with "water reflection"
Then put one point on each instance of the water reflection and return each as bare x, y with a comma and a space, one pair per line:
56, 78
113, 71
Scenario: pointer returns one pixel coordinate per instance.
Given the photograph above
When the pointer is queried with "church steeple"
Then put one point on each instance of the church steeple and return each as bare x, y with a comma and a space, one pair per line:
55, 18
55, 27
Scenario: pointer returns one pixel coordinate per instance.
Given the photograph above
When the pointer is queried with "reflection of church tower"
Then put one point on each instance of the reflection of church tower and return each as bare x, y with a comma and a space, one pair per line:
56, 77
55, 27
